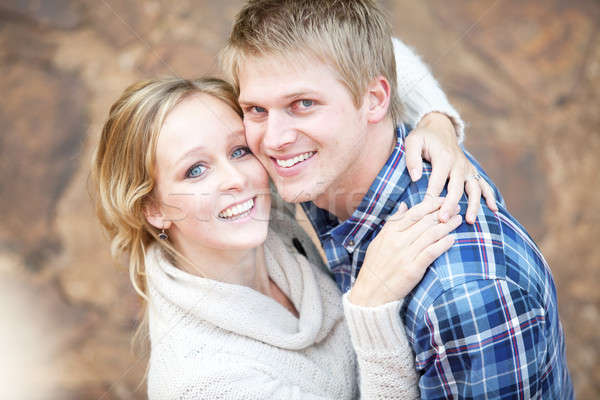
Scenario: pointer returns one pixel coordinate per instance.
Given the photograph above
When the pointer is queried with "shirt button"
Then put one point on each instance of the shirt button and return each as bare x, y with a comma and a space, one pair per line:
351, 242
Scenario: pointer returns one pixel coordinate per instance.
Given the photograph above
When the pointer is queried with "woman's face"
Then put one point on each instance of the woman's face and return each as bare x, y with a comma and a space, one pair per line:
213, 193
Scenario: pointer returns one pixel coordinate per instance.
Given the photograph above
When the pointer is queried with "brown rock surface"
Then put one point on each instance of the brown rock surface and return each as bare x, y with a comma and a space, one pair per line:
525, 75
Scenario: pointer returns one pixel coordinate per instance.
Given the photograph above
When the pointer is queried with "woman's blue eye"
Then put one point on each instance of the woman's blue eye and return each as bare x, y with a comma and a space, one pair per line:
195, 171
306, 103
240, 152
258, 109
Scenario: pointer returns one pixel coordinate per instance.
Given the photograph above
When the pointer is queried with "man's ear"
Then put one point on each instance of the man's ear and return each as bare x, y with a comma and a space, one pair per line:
155, 216
378, 99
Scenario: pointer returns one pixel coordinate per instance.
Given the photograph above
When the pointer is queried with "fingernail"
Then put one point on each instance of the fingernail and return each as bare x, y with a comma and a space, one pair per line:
413, 174
444, 216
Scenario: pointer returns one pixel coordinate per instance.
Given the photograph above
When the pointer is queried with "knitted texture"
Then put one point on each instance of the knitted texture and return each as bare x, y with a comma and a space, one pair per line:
213, 340
419, 92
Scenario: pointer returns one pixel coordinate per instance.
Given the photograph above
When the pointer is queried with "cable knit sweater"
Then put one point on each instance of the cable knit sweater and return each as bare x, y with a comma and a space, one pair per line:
213, 340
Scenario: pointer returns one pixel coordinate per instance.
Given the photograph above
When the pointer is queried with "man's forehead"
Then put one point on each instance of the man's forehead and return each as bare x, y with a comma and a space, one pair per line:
284, 74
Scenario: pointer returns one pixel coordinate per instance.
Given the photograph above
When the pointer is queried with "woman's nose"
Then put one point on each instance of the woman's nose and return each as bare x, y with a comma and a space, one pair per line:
232, 177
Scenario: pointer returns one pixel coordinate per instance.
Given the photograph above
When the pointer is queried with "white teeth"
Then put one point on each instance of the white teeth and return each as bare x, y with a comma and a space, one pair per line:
237, 210
293, 161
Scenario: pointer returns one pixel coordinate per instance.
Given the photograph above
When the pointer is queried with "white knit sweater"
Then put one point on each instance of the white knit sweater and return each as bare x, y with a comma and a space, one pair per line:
418, 90
213, 340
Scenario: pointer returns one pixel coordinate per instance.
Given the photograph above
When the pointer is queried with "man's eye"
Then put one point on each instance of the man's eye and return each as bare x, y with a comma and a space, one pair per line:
195, 171
240, 152
302, 105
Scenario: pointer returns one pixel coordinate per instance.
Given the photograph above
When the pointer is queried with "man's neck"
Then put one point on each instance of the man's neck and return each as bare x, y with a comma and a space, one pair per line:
346, 195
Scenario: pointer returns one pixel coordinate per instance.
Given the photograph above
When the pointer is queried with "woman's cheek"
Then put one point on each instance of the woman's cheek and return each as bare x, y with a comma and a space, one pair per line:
260, 175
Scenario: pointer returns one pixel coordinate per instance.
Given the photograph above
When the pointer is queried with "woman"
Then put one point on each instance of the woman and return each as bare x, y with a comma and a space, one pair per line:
235, 311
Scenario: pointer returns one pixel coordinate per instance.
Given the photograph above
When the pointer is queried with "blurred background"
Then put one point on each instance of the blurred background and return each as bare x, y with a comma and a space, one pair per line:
525, 75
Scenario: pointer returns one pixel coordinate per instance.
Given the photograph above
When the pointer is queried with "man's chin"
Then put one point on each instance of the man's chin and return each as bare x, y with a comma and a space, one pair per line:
295, 193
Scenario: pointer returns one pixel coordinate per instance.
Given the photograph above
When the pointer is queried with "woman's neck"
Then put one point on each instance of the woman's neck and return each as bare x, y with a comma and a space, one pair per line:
244, 267
238, 267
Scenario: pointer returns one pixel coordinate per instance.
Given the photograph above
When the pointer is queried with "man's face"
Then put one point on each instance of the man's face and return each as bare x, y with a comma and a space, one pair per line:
302, 124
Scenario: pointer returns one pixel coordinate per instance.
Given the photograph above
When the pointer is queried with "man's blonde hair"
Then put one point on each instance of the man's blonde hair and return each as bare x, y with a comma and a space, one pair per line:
123, 175
353, 36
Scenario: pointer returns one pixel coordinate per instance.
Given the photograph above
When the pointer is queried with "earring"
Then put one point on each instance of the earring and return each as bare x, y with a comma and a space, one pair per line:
162, 235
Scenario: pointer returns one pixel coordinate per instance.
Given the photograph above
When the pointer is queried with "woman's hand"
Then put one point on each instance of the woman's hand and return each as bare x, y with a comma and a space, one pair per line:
398, 257
434, 139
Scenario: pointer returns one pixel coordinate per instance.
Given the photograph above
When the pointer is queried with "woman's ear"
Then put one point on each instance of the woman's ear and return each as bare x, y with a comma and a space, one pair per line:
378, 98
155, 216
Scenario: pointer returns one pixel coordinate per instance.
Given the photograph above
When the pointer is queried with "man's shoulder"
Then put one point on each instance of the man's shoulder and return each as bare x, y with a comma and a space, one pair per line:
494, 248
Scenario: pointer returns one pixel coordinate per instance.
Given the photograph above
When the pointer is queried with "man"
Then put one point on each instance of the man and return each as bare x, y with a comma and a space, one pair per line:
317, 85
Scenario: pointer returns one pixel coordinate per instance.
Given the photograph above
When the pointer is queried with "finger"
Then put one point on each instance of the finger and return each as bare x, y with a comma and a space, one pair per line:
414, 160
473, 190
402, 208
433, 234
439, 175
433, 251
416, 213
455, 191
489, 195
412, 233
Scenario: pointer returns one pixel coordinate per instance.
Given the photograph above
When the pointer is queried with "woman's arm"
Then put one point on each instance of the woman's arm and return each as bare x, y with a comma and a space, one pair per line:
395, 263
419, 92
438, 131
385, 359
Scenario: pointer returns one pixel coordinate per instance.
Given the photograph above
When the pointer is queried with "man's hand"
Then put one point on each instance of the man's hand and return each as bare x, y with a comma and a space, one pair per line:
435, 140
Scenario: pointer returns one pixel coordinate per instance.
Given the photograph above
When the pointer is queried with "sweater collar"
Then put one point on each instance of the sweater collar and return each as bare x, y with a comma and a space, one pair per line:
240, 309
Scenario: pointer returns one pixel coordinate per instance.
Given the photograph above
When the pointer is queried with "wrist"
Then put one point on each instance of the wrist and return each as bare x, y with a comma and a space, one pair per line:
364, 298
438, 121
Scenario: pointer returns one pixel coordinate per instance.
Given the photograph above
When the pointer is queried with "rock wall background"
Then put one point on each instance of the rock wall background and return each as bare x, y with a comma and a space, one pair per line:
525, 75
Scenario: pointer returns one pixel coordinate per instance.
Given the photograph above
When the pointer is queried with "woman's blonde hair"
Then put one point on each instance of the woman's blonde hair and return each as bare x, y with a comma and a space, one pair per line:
123, 167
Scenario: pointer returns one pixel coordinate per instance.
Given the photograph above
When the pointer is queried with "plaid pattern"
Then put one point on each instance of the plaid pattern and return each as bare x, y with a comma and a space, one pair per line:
483, 322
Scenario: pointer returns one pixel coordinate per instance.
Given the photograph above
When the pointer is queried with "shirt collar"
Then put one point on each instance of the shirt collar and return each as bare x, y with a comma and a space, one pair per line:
380, 201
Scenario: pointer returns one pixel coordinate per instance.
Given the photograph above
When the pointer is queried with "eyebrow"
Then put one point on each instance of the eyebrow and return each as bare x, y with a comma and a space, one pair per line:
239, 132
189, 153
293, 95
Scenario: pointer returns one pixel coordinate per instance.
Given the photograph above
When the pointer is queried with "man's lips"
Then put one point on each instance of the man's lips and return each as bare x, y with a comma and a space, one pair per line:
291, 160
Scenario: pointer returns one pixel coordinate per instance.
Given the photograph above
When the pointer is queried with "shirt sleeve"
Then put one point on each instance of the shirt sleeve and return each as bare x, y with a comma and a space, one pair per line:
483, 339
418, 90
385, 359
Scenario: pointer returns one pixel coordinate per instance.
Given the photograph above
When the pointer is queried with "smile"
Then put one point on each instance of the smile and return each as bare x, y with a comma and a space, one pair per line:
295, 160
238, 211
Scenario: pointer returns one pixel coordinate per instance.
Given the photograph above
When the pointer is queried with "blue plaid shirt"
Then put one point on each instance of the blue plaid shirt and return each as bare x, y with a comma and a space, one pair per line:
483, 322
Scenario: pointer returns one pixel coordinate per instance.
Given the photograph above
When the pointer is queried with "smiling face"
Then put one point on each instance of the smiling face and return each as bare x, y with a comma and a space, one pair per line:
213, 193
302, 123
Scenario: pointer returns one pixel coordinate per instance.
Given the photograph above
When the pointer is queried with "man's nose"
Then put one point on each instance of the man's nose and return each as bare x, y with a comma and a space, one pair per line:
280, 131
